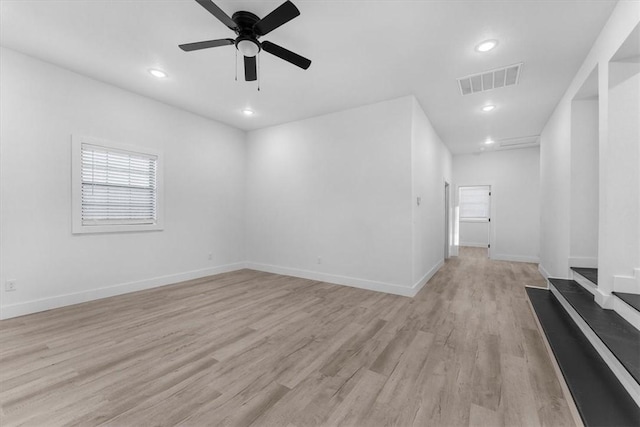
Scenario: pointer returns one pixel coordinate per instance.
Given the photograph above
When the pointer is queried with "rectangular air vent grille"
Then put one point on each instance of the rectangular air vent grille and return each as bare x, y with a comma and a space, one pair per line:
519, 142
489, 80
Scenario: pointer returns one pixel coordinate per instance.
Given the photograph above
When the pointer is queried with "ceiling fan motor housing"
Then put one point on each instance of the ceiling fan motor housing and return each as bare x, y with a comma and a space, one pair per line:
247, 40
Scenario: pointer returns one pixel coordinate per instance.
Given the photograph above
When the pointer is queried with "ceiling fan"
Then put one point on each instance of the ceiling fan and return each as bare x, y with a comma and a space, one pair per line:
249, 28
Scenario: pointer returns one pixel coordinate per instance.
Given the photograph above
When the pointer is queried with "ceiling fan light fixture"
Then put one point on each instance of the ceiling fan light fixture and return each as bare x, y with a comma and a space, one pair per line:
159, 74
489, 141
488, 108
248, 47
248, 112
486, 45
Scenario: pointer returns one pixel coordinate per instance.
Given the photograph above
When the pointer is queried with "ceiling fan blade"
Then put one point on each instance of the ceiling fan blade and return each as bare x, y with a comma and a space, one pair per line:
250, 71
280, 15
206, 44
285, 54
218, 13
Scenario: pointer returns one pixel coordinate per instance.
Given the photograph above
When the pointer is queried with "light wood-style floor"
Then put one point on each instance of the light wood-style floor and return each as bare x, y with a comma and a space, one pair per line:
251, 348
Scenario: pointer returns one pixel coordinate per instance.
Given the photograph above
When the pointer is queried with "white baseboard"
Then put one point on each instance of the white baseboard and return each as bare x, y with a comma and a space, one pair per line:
603, 299
372, 285
474, 244
583, 262
425, 279
515, 258
29, 307
35, 306
627, 284
543, 271
455, 250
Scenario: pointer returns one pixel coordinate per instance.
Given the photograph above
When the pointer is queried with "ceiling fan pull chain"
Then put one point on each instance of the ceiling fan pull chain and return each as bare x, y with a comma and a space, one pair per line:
236, 64
258, 58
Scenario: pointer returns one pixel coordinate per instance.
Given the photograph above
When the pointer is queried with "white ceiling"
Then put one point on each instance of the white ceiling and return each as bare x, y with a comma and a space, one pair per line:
362, 52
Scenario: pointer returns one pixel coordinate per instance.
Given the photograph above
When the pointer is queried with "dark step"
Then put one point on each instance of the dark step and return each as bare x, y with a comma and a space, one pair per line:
616, 333
600, 398
632, 299
590, 274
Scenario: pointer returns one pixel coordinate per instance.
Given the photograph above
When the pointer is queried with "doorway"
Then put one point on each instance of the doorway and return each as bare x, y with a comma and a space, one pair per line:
474, 218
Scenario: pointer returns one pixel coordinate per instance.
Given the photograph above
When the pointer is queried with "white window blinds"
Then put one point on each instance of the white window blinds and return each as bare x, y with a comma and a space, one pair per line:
474, 202
118, 186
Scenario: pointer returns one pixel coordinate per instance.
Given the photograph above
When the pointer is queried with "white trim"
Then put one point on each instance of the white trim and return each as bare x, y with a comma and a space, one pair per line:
543, 271
425, 279
372, 285
627, 284
584, 282
625, 378
34, 306
515, 258
547, 275
455, 250
627, 312
583, 262
604, 300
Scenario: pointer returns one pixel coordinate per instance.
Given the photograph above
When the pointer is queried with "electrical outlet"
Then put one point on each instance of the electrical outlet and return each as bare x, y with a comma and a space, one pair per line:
10, 286
319, 260
210, 256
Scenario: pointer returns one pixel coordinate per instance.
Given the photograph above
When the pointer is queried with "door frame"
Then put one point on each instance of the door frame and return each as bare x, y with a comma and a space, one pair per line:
447, 220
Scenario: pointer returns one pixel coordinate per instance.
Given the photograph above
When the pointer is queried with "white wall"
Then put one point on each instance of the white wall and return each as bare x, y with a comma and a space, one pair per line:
431, 168
336, 187
40, 108
583, 250
623, 165
616, 180
515, 198
330, 198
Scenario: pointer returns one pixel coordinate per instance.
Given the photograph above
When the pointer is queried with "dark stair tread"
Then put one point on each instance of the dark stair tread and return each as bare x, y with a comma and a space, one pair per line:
632, 299
600, 398
590, 274
616, 333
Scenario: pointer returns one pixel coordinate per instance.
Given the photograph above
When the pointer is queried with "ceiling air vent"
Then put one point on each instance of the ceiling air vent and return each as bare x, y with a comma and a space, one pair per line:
492, 79
519, 142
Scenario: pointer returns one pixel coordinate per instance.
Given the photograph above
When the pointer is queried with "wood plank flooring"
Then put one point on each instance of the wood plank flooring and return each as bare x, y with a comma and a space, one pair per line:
251, 348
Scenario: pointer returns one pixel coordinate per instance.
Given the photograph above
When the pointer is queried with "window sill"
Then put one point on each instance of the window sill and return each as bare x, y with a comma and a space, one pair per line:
120, 228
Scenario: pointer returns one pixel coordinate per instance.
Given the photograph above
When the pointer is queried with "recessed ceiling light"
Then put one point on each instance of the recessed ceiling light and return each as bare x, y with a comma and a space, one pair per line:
157, 73
248, 112
489, 141
486, 45
488, 108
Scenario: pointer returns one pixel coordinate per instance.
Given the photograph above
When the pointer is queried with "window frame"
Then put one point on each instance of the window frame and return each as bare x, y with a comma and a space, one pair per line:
77, 227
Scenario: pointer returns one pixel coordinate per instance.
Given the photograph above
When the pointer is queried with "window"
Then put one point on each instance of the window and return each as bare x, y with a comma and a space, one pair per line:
115, 187
474, 203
